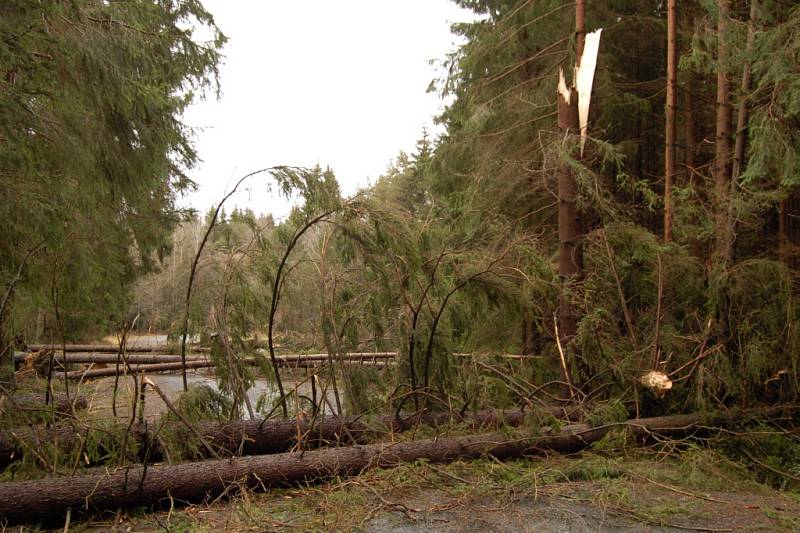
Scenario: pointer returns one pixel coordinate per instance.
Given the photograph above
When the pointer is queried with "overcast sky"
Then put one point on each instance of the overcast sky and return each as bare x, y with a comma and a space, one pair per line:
305, 82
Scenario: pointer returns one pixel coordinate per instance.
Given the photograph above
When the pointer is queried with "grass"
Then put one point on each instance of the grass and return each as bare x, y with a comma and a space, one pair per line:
685, 487
668, 483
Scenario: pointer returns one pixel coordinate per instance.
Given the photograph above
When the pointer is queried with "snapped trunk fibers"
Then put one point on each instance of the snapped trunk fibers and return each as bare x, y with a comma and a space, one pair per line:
192, 482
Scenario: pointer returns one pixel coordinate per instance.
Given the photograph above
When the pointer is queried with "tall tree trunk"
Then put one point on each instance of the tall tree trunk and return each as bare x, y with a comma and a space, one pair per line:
671, 103
741, 123
723, 247
741, 119
580, 30
570, 225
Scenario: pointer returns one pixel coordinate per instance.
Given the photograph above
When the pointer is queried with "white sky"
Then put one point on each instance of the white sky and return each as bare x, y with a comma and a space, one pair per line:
305, 82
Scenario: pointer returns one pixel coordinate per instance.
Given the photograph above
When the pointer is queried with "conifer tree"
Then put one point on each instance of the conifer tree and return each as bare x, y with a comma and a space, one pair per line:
93, 151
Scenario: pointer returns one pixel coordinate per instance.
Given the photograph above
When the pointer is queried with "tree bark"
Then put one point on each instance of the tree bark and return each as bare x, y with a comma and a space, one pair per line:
109, 348
741, 119
107, 358
580, 30
671, 104
157, 484
290, 361
570, 224
92, 373
741, 128
570, 227
250, 437
104, 358
723, 247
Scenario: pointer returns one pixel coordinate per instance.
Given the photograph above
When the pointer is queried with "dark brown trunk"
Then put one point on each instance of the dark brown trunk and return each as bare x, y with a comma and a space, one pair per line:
723, 246
741, 129
580, 30
570, 231
570, 225
741, 119
250, 437
671, 104
40, 500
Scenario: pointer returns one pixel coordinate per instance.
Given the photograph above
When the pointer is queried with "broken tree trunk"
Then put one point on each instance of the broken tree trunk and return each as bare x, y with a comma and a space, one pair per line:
157, 484
570, 226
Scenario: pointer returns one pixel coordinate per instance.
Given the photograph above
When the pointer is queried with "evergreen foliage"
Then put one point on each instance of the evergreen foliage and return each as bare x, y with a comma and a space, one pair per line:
456, 247
93, 152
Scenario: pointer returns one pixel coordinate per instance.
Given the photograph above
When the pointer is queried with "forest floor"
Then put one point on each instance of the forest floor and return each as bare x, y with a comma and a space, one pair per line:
670, 486
640, 490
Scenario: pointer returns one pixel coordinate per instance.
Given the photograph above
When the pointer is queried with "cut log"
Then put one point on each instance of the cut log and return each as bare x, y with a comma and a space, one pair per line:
193, 482
250, 437
112, 371
110, 348
109, 358
86, 357
290, 361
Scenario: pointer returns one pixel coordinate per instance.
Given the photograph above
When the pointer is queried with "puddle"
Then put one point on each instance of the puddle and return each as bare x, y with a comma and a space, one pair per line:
100, 392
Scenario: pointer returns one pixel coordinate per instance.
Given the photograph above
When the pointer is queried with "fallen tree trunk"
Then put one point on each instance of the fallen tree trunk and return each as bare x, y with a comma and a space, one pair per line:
109, 358
124, 369
158, 358
110, 348
136, 486
290, 361
250, 437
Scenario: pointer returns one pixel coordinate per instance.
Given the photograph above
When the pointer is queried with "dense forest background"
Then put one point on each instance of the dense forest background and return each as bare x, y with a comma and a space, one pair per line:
666, 245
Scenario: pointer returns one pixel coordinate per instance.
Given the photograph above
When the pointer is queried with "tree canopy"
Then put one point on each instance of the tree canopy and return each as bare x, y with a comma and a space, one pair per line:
93, 150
